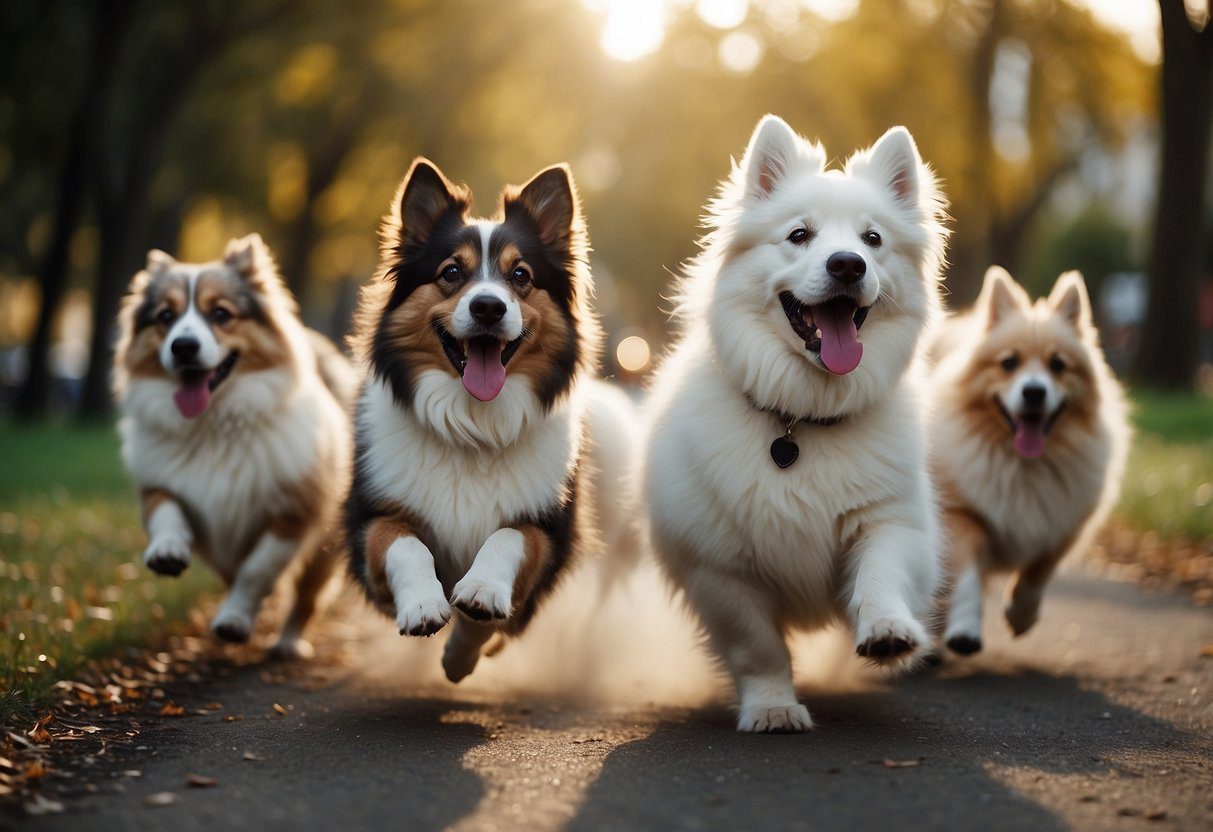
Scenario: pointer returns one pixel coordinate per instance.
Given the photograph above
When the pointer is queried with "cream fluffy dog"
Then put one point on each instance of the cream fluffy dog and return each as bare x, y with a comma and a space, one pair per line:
786, 471
1033, 434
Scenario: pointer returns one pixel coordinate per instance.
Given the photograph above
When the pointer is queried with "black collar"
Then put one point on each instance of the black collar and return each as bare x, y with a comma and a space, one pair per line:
789, 422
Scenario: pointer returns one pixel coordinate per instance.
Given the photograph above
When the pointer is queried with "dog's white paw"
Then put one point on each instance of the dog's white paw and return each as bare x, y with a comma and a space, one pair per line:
422, 616
292, 648
232, 625
777, 719
889, 640
167, 555
482, 600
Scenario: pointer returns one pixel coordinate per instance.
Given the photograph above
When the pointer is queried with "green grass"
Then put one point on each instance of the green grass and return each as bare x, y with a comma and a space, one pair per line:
1169, 486
72, 587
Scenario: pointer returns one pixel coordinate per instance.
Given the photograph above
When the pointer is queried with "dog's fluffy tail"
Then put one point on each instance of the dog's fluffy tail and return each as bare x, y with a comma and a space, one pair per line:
614, 439
334, 368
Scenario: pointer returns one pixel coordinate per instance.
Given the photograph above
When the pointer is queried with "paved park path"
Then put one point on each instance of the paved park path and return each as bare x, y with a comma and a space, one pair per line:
1099, 719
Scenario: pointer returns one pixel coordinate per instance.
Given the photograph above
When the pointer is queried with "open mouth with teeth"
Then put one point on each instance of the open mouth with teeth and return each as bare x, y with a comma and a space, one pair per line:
194, 395
480, 361
830, 329
1030, 428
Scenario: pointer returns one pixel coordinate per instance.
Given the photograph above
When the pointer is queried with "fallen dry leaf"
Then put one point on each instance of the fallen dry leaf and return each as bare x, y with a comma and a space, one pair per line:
213, 706
34, 771
40, 805
38, 733
160, 799
232, 718
281, 710
201, 781
1206, 651
253, 758
170, 709
1156, 814
901, 763
131, 772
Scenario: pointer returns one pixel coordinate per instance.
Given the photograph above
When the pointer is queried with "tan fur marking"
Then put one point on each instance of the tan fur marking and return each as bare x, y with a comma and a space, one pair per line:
378, 537
537, 548
151, 499
410, 329
548, 330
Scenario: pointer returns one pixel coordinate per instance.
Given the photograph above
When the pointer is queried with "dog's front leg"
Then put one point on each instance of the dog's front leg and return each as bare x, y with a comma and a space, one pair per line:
744, 629
168, 531
893, 580
966, 547
1026, 591
254, 580
503, 574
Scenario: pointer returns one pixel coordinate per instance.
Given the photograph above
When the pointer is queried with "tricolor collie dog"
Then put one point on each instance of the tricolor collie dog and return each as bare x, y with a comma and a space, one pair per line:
786, 467
234, 426
1032, 432
472, 486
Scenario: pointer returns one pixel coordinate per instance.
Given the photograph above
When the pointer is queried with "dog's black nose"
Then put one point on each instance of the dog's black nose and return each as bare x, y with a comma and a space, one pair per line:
487, 309
1034, 395
185, 348
846, 267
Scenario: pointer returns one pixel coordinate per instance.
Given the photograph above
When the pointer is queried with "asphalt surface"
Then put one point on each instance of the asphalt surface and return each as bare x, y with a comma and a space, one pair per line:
1098, 719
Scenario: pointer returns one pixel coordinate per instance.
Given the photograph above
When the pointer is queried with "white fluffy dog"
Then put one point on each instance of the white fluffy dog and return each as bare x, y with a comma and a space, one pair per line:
785, 470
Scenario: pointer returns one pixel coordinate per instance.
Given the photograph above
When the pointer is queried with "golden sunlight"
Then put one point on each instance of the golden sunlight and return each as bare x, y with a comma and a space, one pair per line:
633, 353
633, 29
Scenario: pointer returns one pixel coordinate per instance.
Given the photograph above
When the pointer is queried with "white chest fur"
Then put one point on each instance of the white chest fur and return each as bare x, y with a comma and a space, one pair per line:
464, 491
1032, 507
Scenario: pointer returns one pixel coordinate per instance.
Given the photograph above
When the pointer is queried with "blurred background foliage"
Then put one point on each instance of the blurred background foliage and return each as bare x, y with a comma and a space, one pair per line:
178, 124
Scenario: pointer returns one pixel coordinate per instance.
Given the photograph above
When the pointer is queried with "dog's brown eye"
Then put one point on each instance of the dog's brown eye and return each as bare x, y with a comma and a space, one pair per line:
451, 272
871, 239
521, 275
221, 315
166, 316
1010, 363
798, 236
1057, 365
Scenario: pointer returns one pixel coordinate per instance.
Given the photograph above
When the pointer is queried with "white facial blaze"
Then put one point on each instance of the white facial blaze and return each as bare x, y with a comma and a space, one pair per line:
192, 324
488, 282
1032, 375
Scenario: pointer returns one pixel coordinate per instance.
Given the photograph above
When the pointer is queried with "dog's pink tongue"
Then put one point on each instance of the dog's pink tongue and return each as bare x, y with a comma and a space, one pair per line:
840, 347
193, 396
484, 374
1029, 438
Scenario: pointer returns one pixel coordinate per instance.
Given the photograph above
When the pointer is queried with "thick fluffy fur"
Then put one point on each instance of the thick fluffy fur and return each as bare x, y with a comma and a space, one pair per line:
253, 481
1032, 433
470, 493
848, 532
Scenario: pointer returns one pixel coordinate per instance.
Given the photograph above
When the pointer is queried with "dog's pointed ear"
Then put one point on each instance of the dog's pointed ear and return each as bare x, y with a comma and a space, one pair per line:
424, 197
1001, 296
772, 150
894, 163
245, 255
158, 262
1070, 301
549, 201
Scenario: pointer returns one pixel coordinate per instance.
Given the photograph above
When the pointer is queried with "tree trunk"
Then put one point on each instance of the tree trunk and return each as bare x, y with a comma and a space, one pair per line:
109, 27
1168, 354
